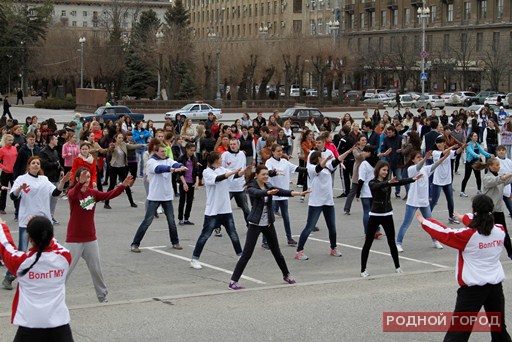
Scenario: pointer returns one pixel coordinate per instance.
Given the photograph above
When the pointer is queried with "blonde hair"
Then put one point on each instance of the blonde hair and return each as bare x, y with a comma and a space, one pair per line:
4, 139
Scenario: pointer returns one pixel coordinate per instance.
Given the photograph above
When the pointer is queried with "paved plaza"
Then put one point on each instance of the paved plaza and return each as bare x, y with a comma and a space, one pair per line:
156, 296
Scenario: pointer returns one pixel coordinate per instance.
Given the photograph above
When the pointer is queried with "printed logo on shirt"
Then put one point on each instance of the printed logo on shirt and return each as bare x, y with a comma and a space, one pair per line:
27, 189
87, 203
46, 275
228, 163
495, 243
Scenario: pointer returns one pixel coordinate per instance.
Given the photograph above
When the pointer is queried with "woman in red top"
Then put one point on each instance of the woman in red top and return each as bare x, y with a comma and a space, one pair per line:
85, 159
8, 155
81, 234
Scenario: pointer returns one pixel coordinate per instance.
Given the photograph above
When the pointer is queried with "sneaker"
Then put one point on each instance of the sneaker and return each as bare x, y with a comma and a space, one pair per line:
194, 263
65, 197
335, 252
301, 199
2, 212
217, 232
365, 274
453, 220
55, 222
292, 243
265, 246
343, 195
188, 223
156, 216
106, 206
133, 205
346, 212
479, 192
300, 256
135, 249
397, 196
103, 300
457, 172
315, 229
399, 248
399, 270
177, 246
438, 245
289, 279
405, 198
159, 210
278, 213
233, 285
7, 282
463, 194
378, 236
181, 222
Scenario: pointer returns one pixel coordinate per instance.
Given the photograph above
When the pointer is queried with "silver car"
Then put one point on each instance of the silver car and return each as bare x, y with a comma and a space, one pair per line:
406, 100
378, 98
430, 101
195, 111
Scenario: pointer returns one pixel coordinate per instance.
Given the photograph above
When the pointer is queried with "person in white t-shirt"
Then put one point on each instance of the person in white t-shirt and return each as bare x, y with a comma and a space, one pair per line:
505, 167
218, 206
320, 201
366, 174
443, 177
418, 193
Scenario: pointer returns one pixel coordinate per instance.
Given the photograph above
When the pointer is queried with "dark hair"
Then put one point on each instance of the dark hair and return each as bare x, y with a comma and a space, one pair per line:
479, 165
274, 146
264, 129
380, 164
153, 144
372, 159
30, 161
259, 168
314, 157
483, 219
79, 172
434, 124
415, 140
368, 124
213, 157
40, 230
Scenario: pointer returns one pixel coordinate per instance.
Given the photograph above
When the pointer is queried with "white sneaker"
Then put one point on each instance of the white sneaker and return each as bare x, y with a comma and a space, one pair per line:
194, 263
463, 194
301, 199
159, 210
365, 274
399, 248
399, 270
438, 245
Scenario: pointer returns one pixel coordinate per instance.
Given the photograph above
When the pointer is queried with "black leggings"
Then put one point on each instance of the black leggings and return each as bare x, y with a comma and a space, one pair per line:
188, 197
467, 173
250, 242
5, 179
303, 176
122, 172
499, 218
57, 334
389, 227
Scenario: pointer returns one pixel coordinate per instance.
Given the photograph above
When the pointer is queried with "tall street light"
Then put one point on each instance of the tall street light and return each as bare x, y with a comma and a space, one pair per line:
159, 35
334, 27
81, 40
423, 15
23, 51
215, 37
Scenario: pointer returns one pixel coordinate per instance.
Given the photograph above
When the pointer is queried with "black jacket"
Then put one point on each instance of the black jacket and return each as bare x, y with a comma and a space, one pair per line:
50, 163
24, 154
257, 196
373, 139
381, 194
430, 140
195, 169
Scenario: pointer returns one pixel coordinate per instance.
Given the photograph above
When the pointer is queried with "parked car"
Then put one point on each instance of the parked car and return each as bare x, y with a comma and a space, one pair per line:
493, 99
370, 92
406, 100
479, 98
414, 94
446, 97
353, 95
507, 102
430, 101
478, 108
378, 98
114, 113
195, 111
299, 116
459, 97
311, 92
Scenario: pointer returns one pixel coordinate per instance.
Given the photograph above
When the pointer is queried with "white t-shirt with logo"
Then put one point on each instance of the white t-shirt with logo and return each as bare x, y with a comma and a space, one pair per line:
234, 161
366, 174
418, 190
280, 181
217, 193
320, 185
443, 173
35, 200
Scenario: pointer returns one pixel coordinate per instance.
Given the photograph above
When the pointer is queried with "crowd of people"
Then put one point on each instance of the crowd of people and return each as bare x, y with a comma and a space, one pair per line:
414, 152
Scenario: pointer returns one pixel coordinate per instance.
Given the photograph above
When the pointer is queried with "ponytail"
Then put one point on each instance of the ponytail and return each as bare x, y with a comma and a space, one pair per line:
253, 174
479, 165
40, 230
483, 219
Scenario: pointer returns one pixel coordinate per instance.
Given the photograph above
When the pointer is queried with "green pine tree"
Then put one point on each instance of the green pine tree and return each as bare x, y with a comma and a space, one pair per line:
188, 86
177, 15
137, 77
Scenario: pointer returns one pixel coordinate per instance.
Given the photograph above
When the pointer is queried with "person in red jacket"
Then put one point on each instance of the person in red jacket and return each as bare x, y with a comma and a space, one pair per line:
8, 155
81, 234
39, 306
86, 160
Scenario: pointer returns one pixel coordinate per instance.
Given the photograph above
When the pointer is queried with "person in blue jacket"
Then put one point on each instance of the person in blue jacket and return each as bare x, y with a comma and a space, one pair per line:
140, 136
473, 152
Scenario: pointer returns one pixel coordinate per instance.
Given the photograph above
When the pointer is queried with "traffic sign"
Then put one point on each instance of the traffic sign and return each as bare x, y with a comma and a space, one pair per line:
423, 76
424, 54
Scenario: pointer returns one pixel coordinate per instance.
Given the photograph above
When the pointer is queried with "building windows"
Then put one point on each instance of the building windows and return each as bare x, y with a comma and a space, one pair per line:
479, 41
407, 16
72, 13
352, 21
361, 21
482, 10
297, 26
297, 6
63, 13
394, 13
463, 42
510, 43
433, 13
449, 14
256, 10
428, 43
370, 44
73, 23
84, 24
359, 43
467, 10
495, 41
446, 43
319, 25
312, 26
84, 14
392, 44
383, 18
381, 44
499, 9
372, 20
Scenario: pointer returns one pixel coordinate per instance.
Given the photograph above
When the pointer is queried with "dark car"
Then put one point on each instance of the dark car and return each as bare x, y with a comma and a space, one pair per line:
299, 116
479, 98
114, 113
354, 95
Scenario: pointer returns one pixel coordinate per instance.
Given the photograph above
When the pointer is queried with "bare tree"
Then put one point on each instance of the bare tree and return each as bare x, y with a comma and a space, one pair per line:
496, 62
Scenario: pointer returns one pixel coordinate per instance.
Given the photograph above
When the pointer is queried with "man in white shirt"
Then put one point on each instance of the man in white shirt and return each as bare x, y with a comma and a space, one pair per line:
232, 160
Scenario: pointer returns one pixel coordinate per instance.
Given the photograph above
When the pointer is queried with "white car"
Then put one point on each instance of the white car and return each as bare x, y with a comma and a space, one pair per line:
406, 100
195, 111
378, 98
446, 97
493, 99
459, 97
430, 101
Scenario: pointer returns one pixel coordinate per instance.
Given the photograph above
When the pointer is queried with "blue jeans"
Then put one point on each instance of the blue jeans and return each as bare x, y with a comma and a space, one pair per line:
367, 206
210, 223
140, 159
409, 215
396, 172
241, 202
283, 204
313, 216
448, 193
22, 244
148, 219
508, 203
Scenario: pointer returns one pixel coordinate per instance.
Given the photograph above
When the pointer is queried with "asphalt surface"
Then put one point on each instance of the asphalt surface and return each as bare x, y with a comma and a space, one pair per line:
156, 296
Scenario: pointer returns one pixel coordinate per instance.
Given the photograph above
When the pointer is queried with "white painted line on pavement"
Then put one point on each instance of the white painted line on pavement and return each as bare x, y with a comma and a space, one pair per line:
382, 253
155, 249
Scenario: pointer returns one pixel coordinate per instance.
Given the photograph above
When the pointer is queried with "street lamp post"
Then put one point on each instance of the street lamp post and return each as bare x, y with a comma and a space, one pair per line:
159, 35
334, 27
22, 43
215, 37
81, 40
423, 14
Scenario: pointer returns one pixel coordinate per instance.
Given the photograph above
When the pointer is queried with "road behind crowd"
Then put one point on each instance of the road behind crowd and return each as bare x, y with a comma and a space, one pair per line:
156, 296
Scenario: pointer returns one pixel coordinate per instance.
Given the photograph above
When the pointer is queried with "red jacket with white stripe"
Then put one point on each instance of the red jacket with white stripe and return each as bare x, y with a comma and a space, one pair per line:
478, 260
40, 299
